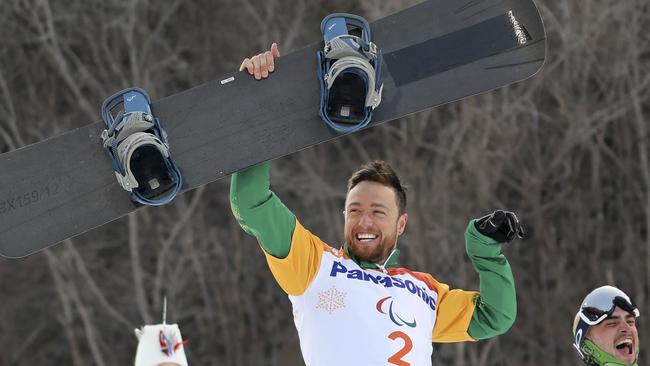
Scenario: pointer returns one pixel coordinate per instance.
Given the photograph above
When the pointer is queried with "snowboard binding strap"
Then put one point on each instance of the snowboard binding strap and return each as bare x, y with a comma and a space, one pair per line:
349, 71
138, 148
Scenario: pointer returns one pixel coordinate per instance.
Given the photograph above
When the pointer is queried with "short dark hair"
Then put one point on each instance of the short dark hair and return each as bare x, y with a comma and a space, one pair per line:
381, 172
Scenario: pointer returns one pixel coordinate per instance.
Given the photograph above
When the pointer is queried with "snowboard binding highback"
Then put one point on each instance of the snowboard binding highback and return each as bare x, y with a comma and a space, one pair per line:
349, 71
138, 148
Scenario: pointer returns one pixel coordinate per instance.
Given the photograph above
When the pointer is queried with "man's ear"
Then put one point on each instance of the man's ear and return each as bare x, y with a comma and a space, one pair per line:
401, 223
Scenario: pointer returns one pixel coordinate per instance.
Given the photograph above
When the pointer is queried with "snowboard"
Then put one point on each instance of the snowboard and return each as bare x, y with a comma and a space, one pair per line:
435, 52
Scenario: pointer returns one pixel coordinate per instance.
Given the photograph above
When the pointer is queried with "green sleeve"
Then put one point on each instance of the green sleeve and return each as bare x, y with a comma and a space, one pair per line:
260, 212
496, 307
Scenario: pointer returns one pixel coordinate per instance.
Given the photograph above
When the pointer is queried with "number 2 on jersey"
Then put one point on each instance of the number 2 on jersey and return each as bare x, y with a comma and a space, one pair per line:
396, 359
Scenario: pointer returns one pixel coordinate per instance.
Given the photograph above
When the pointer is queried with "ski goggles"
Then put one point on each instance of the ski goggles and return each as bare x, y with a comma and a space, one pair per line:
601, 302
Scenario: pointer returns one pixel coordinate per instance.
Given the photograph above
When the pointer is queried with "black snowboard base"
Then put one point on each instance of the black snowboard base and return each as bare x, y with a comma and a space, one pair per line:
436, 52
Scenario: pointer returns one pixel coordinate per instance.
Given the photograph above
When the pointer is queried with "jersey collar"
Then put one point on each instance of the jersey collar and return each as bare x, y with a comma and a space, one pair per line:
392, 261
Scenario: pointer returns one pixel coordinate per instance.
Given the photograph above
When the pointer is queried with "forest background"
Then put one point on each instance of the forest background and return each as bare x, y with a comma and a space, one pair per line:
567, 150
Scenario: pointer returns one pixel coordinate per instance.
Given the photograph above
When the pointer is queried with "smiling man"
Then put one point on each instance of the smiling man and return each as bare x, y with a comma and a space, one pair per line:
604, 328
355, 305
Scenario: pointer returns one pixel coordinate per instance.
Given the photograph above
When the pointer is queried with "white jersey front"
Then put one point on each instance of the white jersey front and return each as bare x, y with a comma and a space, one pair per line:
346, 315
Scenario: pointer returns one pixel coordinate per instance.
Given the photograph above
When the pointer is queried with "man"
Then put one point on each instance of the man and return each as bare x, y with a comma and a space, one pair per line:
604, 328
354, 305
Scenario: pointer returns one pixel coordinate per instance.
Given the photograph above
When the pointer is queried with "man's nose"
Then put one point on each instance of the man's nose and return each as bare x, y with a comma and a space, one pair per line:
625, 327
365, 220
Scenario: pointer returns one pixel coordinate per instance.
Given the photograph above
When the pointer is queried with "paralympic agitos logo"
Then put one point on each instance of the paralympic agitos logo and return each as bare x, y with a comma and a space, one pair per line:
394, 316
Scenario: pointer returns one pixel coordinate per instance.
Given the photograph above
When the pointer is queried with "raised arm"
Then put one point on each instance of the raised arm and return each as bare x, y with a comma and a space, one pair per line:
469, 315
260, 212
496, 305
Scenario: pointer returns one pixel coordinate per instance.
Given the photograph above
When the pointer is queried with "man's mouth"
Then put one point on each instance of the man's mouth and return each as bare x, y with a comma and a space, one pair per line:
366, 238
625, 348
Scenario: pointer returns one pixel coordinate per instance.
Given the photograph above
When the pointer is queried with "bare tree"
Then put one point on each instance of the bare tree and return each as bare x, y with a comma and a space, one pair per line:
567, 150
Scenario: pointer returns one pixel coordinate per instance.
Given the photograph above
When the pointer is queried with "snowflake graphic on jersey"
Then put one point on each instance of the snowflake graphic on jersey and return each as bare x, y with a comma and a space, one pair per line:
331, 300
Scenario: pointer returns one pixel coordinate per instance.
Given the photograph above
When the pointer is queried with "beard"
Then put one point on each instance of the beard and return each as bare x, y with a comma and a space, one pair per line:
375, 253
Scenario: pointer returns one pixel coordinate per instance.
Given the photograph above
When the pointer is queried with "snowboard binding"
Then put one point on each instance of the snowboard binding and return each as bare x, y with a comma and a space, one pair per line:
138, 148
349, 69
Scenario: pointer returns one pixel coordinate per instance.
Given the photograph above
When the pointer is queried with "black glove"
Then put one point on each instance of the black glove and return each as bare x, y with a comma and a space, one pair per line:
501, 226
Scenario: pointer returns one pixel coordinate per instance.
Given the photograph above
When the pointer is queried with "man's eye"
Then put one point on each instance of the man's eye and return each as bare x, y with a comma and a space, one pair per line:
380, 213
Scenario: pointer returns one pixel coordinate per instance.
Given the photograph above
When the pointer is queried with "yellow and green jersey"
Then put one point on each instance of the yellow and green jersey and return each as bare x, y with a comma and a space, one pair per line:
349, 312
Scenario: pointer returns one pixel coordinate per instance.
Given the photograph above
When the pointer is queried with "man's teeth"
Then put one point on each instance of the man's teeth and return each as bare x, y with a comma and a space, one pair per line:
624, 342
364, 237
